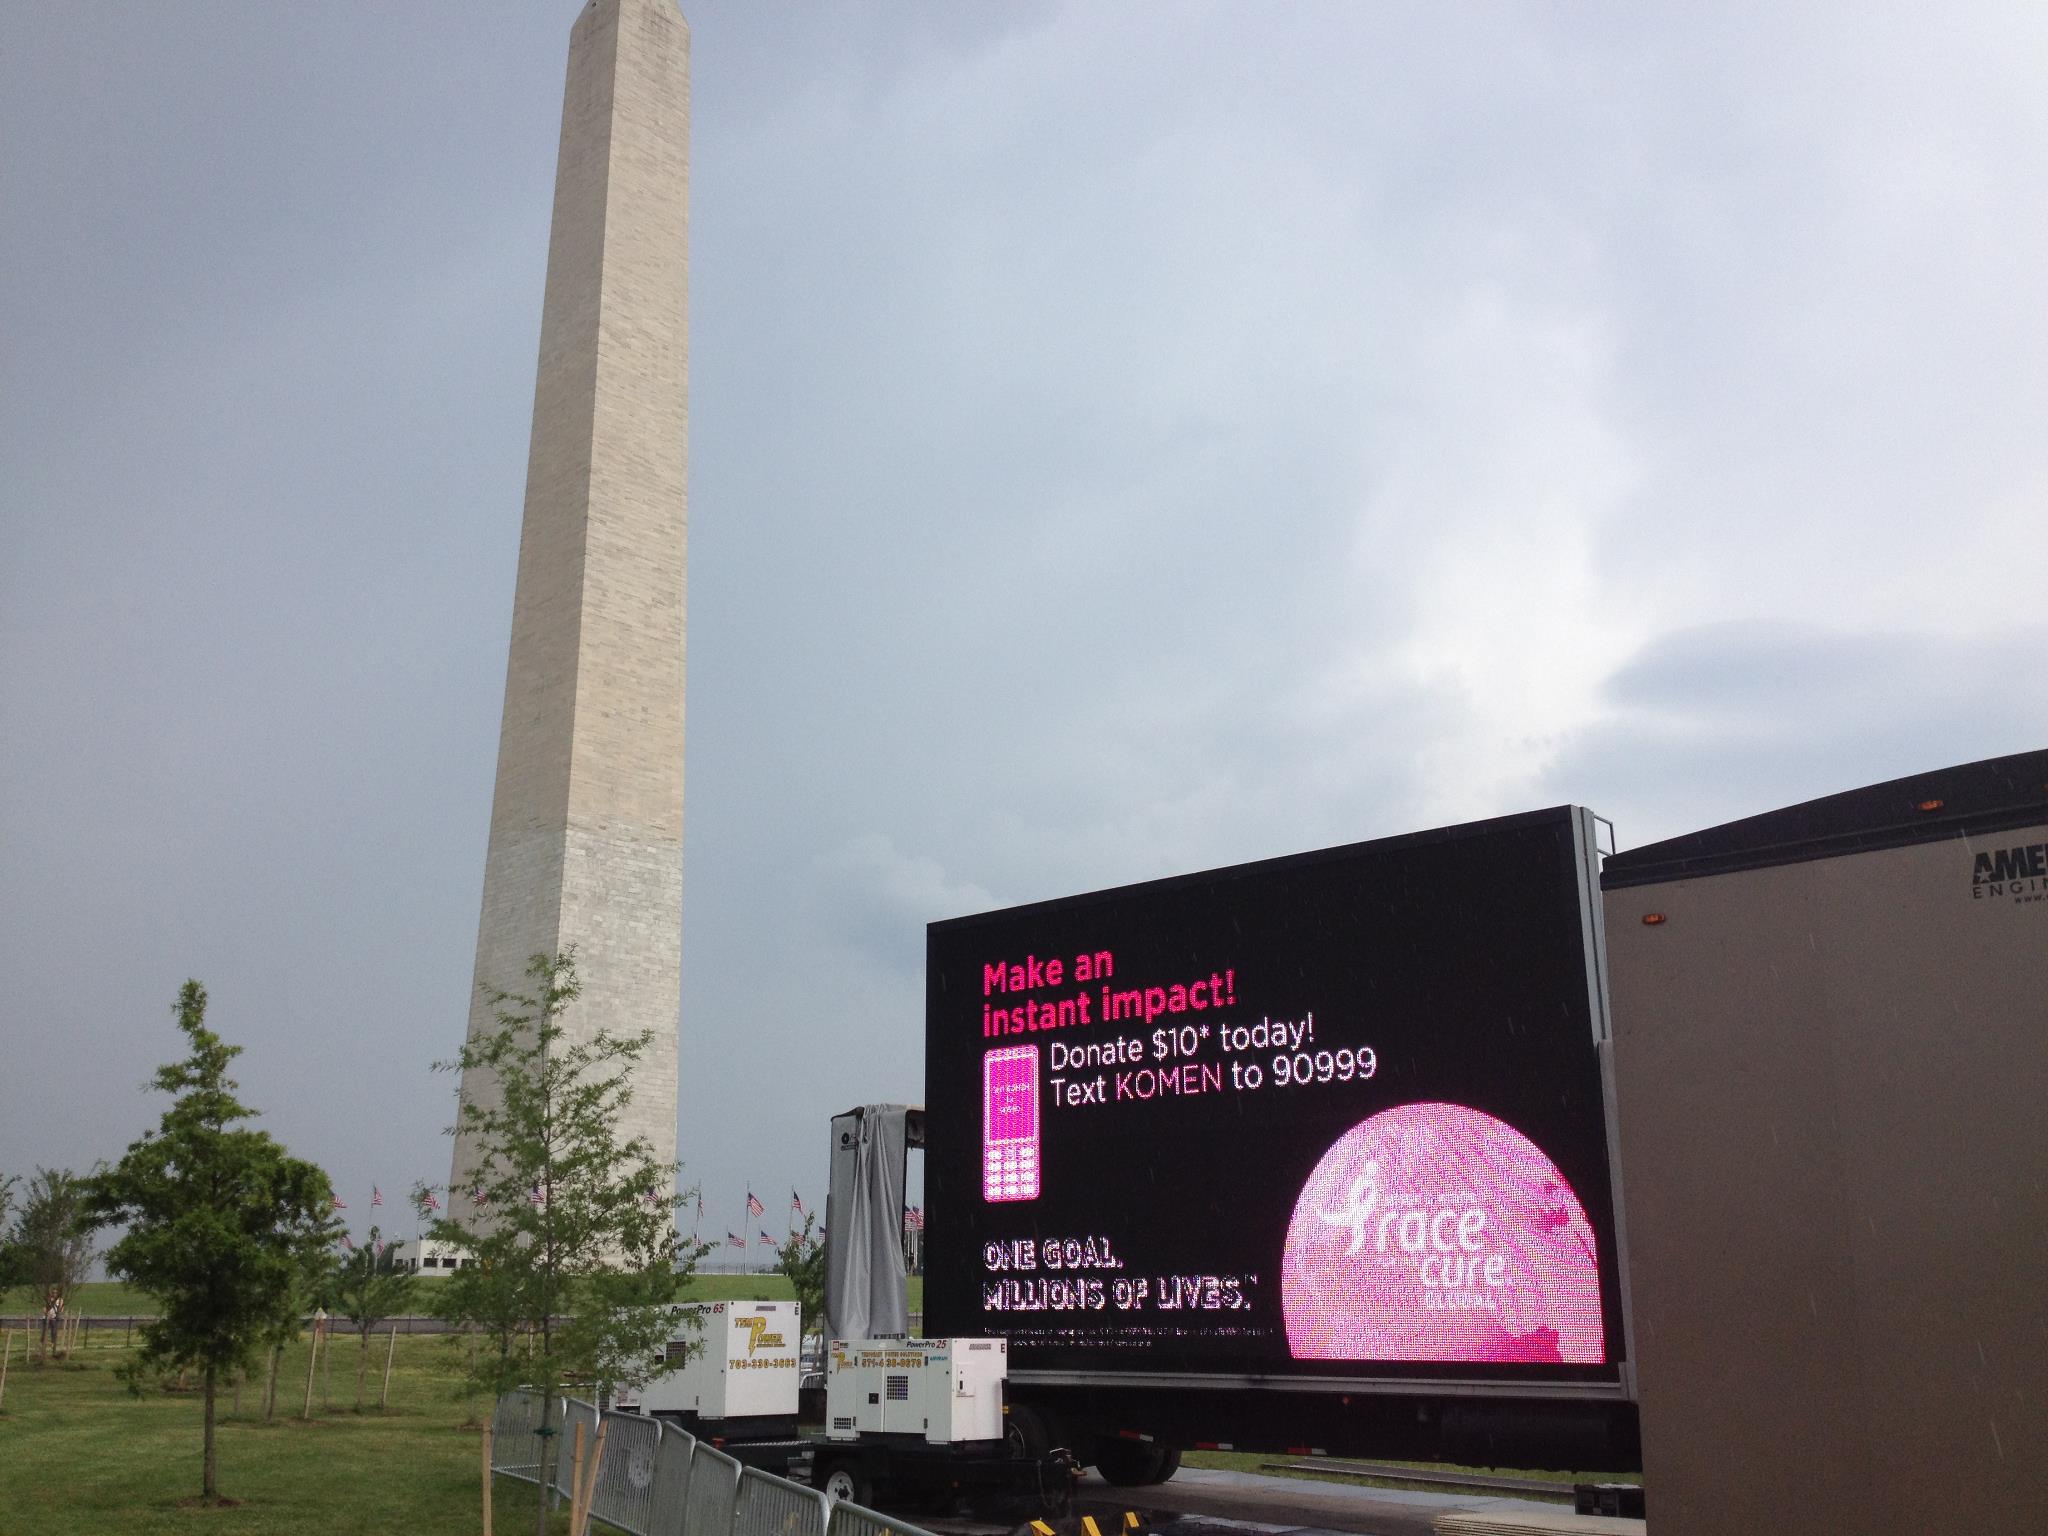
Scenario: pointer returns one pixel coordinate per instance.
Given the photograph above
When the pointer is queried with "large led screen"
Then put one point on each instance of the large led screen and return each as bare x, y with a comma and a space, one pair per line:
1336, 1114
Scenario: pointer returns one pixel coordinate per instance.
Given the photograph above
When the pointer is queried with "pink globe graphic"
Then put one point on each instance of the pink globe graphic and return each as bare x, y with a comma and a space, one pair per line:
1436, 1232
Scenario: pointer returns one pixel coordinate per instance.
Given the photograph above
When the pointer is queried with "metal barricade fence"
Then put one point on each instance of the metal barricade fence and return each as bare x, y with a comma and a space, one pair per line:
657, 1480
624, 1493
714, 1489
574, 1412
773, 1506
850, 1519
673, 1456
515, 1443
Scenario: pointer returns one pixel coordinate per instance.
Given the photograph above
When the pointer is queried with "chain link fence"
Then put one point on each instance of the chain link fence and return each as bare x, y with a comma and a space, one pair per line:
657, 1480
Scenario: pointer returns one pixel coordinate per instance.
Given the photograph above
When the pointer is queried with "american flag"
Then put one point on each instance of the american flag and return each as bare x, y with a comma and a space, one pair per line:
376, 1197
768, 1240
913, 1219
346, 1245
478, 1197
380, 1250
538, 1195
339, 1203
755, 1207
796, 1202
429, 1201
734, 1240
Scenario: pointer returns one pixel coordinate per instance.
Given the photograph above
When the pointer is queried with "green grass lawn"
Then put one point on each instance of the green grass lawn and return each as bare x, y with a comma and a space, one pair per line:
113, 1299
108, 1298
100, 1298
739, 1288
768, 1288
79, 1453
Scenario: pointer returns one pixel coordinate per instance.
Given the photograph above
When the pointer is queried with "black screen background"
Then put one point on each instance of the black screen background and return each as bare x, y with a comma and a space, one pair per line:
1458, 955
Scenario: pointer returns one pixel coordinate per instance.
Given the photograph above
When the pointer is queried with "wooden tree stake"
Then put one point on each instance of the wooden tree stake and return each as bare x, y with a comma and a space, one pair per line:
576, 1479
384, 1402
312, 1360
487, 1468
590, 1483
6, 1354
270, 1384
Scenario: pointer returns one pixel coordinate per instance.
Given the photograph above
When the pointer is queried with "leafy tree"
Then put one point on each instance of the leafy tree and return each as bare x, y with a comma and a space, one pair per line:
368, 1288
47, 1250
570, 1230
220, 1223
802, 1259
8, 1184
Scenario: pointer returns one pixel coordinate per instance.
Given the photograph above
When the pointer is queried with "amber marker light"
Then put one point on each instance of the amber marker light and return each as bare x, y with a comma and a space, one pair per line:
1652, 919
1928, 805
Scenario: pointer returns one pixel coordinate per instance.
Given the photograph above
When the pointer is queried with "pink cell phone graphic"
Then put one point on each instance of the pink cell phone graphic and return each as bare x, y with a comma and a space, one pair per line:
1009, 1124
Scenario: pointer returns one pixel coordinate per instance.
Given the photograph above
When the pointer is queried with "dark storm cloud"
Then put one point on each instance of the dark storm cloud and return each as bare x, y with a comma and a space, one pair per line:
1727, 720
1124, 440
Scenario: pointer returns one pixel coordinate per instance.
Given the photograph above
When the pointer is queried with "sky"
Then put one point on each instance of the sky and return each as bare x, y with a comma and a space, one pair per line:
1125, 440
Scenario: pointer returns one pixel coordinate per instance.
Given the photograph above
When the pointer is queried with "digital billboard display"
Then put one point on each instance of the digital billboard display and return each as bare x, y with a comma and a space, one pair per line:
1337, 1114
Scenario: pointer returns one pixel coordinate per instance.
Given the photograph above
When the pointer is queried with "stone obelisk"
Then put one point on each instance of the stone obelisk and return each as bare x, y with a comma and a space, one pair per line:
587, 820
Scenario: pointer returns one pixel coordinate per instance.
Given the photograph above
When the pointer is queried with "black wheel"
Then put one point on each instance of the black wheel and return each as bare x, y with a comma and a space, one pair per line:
1135, 1463
846, 1479
1026, 1432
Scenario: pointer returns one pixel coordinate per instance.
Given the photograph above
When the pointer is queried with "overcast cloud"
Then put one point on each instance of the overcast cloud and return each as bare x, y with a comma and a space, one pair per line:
1124, 440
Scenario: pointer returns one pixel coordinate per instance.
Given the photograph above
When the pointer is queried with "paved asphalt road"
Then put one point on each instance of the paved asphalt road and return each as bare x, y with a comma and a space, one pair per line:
1247, 1501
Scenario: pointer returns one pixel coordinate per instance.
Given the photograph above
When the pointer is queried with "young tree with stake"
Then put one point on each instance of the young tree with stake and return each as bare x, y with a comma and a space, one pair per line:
574, 1240
369, 1288
220, 1223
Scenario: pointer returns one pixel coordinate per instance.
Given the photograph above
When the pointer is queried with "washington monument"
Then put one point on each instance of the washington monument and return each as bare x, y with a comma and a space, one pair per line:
587, 819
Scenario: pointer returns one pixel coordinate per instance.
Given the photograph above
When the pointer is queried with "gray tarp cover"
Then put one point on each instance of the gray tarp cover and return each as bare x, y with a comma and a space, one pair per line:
865, 1292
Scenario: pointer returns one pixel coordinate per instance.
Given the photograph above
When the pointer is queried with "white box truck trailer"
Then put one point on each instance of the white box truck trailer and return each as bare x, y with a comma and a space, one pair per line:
1832, 1065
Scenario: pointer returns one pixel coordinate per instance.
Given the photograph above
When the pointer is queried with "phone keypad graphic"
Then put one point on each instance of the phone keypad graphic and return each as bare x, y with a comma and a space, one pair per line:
1009, 1147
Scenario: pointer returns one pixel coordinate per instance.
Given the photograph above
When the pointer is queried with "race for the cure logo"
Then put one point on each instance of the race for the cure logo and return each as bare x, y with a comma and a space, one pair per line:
1436, 1232
1450, 1241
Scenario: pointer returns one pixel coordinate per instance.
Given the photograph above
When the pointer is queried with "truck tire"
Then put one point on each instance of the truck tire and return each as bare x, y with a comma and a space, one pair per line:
1026, 1432
846, 1478
1135, 1463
